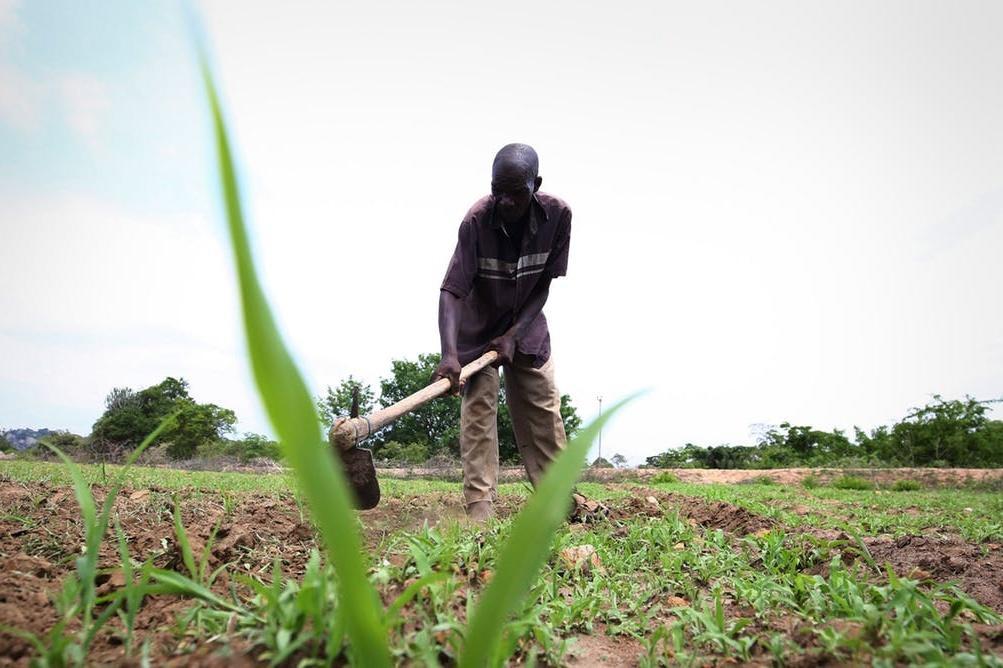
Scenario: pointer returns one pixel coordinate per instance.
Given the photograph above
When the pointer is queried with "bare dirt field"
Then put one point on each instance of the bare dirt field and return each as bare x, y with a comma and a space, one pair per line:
947, 477
40, 532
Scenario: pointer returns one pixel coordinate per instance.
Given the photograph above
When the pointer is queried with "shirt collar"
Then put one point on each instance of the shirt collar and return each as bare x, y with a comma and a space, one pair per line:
537, 213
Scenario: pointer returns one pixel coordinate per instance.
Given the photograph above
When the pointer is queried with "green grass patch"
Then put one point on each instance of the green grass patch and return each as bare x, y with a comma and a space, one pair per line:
664, 478
976, 515
852, 482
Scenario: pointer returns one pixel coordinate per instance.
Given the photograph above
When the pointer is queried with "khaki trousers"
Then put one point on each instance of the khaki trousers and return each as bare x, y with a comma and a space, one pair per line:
535, 406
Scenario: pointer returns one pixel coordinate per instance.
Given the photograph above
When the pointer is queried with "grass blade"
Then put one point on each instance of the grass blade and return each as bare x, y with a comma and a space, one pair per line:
27, 636
176, 583
207, 552
87, 563
526, 549
96, 525
412, 590
292, 413
133, 591
116, 485
186, 549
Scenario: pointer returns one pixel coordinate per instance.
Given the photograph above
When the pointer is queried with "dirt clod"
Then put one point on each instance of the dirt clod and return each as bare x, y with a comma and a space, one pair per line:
945, 560
699, 512
585, 510
582, 558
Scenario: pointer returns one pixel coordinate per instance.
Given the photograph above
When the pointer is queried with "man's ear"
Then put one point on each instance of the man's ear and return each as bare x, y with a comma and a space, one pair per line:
537, 183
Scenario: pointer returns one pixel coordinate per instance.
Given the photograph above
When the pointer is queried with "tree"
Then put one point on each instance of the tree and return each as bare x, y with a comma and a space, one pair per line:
949, 433
787, 445
695, 456
689, 455
125, 421
5, 445
990, 436
197, 424
942, 433
130, 417
569, 414
68, 443
728, 457
338, 402
257, 446
118, 398
436, 425
411, 454
878, 445
619, 460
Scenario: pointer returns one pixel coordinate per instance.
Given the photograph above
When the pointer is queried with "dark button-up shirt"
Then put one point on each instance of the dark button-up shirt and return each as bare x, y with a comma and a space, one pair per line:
493, 276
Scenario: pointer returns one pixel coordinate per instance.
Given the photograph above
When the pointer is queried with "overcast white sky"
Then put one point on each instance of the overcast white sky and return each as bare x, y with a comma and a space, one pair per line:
783, 210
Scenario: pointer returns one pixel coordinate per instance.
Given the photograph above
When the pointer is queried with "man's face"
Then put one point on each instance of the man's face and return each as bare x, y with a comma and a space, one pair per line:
512, 186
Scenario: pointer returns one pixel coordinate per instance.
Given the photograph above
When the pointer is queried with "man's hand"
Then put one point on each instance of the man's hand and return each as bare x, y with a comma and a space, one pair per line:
449, 368
505, 345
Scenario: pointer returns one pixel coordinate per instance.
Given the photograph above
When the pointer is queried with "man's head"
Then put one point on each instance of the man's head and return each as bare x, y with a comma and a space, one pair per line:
514, 179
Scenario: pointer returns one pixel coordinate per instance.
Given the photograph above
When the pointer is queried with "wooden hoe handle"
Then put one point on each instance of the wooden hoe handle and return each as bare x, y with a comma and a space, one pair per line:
347, 432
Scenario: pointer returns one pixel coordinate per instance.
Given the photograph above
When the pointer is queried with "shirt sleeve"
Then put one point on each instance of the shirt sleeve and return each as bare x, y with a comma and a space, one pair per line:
462, 269
557, 262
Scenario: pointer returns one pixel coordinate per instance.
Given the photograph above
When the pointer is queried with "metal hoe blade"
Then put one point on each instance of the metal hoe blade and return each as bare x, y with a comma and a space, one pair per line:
361, 476
359, 467
346, 433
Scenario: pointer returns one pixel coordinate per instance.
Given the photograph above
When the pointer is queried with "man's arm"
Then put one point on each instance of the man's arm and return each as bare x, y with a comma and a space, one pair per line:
457, 284
505, 344
449, 328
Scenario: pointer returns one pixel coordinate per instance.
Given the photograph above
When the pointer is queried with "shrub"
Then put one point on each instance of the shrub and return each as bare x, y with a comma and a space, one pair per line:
759, 480
442, 460
810, 481
251, 446
407, 454
213, 450
852, 482
155, 455
256, 446
129, 416
665, 477
906, 486
70, 444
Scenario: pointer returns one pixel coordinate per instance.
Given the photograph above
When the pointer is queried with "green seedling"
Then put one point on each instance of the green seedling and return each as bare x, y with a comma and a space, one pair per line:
77, 598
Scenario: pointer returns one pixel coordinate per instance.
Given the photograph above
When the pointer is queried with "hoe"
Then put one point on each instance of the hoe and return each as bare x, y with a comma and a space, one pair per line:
347, 433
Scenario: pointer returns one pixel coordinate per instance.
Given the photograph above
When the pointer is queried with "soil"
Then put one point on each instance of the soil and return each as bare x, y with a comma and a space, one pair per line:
881, 476
599, 650
717, 514
977, 569
931, 477
41, 535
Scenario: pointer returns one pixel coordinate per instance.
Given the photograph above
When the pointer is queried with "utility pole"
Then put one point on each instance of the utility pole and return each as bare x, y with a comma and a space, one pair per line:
599, 398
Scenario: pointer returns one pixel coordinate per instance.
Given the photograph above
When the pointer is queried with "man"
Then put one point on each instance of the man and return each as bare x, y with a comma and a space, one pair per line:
511, 244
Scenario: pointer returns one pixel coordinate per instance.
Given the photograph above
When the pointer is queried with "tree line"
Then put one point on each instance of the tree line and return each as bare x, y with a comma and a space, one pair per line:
948, 433
432, 431
206, 430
